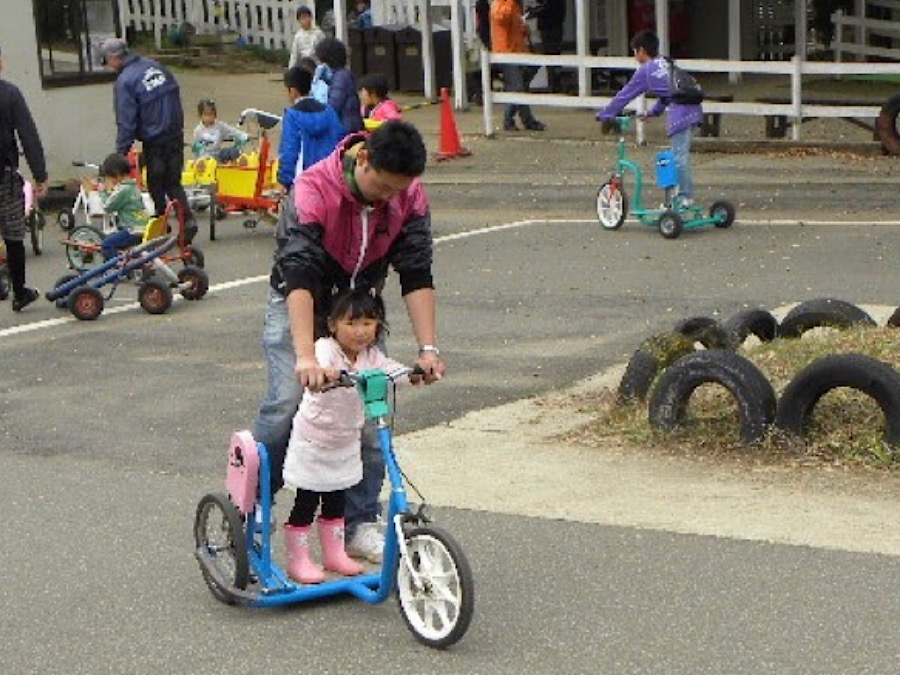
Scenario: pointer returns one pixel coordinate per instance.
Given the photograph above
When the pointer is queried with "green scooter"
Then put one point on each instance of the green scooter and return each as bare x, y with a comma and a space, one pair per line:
673, 216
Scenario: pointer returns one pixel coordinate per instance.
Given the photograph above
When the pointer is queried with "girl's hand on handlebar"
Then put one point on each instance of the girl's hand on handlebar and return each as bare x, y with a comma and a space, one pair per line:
433, 368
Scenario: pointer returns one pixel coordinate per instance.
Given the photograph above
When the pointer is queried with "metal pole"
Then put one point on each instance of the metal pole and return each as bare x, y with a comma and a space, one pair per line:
582, 45
427, 49
734, 37
662, 27
460, 95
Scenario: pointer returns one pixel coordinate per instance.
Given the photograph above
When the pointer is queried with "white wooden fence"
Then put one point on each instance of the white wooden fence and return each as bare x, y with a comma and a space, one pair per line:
794, 70
268, 23
853, 33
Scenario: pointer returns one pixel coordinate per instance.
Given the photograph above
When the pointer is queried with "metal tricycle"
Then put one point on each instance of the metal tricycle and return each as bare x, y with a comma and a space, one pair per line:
673, 216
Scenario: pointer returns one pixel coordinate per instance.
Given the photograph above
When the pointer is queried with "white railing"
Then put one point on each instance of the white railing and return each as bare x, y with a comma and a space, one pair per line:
269, 23
793, 70
861, 29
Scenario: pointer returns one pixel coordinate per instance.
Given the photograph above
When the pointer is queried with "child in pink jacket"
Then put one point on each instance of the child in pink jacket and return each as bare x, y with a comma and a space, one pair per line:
324, 455
376, 104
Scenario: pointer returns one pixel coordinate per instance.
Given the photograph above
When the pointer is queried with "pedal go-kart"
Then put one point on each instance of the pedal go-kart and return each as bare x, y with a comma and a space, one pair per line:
428, 569
673, 216
81, 294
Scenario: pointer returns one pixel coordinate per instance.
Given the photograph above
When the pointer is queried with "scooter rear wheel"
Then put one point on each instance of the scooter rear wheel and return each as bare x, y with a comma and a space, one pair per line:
670, 224
724, 213
439, 609
612, 205
219, 539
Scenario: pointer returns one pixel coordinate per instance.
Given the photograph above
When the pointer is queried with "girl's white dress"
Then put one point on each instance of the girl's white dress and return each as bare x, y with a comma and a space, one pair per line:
323, 454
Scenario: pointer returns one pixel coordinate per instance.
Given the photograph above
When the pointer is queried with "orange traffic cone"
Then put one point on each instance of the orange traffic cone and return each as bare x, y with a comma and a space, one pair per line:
450, 146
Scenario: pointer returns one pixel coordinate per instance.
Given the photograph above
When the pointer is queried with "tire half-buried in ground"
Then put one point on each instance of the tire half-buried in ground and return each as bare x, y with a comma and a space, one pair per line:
759, 322
855, 371
652, 356
748, 386
829, 312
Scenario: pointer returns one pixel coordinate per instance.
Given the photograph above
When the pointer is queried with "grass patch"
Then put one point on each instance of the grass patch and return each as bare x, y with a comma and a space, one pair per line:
846, 429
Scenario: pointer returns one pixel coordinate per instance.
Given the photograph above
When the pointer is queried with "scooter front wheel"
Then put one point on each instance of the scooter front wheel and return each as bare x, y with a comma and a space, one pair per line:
612, 205
436, 590
221, 547
670, 224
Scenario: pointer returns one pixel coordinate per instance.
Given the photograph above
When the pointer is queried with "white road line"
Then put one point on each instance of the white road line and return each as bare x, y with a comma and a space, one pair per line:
237, 283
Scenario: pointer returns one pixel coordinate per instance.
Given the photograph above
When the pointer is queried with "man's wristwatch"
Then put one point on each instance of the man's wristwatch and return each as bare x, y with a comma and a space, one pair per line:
429, 348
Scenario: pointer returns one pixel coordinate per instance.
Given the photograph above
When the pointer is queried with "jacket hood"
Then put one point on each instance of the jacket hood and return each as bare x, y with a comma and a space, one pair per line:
313, 115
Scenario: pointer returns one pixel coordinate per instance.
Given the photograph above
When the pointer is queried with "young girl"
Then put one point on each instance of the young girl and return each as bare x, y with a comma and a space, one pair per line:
376, 104
211, 134
323, 456
120, 195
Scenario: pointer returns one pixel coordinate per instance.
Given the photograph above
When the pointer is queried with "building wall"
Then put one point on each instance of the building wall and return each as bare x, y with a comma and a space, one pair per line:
74, 122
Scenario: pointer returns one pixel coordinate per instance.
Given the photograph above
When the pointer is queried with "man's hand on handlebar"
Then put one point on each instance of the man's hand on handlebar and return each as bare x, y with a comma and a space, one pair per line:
433, 368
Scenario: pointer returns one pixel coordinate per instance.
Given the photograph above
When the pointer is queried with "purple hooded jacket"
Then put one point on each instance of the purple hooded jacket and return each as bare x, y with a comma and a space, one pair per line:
652, 78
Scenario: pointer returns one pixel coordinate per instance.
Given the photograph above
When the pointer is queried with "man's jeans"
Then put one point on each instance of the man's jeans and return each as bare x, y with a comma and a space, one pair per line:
514, 81
681, 148
276, 415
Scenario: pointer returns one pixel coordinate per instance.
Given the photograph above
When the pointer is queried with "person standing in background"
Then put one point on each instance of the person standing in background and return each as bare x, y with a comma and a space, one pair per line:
305, 39
508, 36
17, 126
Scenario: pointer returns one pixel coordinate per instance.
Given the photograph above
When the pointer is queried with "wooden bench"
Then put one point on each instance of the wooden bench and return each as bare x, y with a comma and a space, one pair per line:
776, 125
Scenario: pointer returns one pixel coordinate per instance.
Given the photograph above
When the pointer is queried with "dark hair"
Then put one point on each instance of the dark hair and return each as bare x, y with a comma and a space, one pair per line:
307, 63
303, 10
646, 40
359, 303
206, 104
298, 78
397, 147
115, 165
374, 83
332, 52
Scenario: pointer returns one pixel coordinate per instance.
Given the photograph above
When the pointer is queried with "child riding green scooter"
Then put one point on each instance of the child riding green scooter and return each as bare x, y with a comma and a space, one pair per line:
652, 77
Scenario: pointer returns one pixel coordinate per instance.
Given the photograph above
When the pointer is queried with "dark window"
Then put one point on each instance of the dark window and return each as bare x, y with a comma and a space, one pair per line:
68, 34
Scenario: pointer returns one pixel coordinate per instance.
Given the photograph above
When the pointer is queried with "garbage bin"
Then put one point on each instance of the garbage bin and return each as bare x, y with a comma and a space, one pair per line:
410, 74
356, 50
381, 52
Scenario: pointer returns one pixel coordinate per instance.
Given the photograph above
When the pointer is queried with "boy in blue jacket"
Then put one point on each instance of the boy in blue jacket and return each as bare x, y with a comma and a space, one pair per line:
652, 77
310, 129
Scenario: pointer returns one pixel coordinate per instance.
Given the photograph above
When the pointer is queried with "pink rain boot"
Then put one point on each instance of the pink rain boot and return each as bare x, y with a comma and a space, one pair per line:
334, 558
301, 567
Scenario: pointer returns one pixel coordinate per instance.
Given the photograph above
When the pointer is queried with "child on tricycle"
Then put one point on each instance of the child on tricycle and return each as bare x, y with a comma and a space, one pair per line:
122, 201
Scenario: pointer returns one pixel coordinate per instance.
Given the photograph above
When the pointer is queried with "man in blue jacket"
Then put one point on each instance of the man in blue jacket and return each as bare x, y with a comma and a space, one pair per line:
148, 109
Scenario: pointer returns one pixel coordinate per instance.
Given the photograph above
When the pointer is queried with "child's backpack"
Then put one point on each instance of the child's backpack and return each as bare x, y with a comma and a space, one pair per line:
683, 88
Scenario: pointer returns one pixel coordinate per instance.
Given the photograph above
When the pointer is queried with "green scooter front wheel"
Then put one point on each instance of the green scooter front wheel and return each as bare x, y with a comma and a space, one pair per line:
612, 205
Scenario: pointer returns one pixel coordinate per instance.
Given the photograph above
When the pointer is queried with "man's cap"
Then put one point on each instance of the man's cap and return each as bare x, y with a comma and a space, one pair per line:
113, 46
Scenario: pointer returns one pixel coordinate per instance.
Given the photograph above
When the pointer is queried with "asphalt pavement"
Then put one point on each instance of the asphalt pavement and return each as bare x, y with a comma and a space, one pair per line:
111, 431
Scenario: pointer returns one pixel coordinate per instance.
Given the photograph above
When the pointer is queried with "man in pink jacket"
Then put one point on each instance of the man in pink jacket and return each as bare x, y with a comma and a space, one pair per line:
352, 216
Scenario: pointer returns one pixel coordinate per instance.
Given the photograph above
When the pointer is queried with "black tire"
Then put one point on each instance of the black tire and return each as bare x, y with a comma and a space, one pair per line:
36, 222
197, 280
886, 126
749, 387
670, 224
195, 258
63, 301
759, 322
85, 303
652, 356
705, 330
66, 220
84, 255
724, 213
250, 224
855, 371
447, 584
612, 206
219, 540
894, 320
155, 296
5, 282
822, 312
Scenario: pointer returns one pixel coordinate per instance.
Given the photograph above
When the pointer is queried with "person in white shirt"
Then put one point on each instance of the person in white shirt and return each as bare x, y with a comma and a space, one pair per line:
306, 37
324, 453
